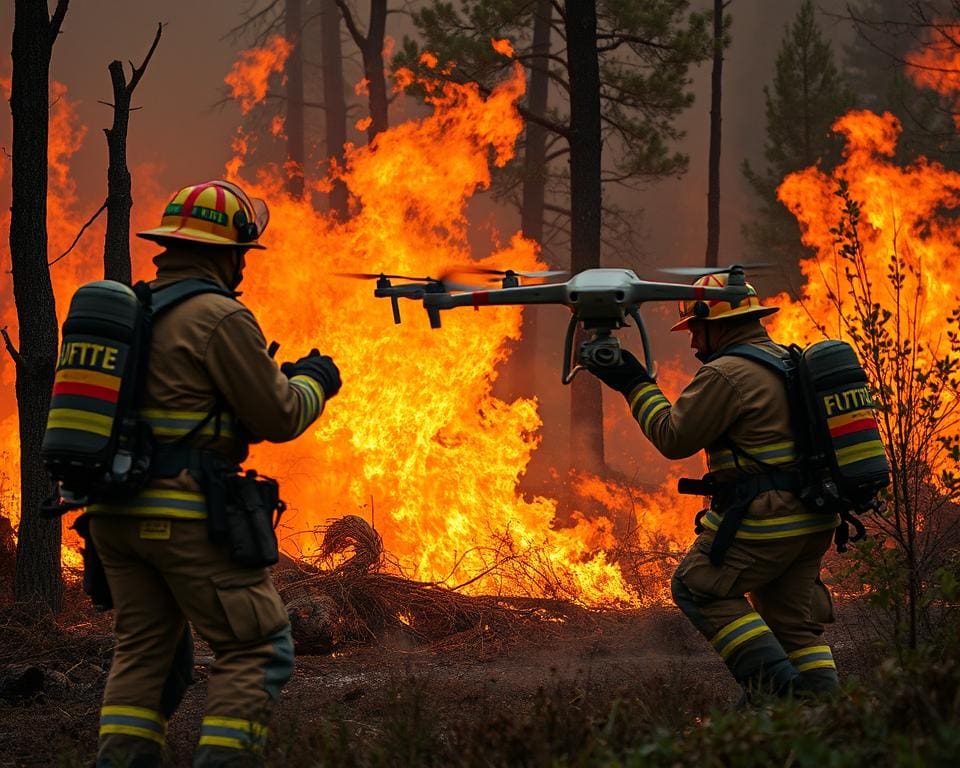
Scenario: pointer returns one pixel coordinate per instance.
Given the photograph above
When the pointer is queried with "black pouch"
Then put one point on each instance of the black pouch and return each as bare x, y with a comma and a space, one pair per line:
252, 509
95, 584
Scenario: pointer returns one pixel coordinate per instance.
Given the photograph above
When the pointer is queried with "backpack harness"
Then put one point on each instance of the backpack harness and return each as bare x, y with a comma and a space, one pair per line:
842, 464
96, 446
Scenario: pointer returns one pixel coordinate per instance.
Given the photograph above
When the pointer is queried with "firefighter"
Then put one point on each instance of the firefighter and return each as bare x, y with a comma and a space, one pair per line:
771, 547
211, 388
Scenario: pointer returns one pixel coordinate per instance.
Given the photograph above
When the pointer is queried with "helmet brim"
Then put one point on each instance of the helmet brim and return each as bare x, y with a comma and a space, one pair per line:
162, 234
684, 324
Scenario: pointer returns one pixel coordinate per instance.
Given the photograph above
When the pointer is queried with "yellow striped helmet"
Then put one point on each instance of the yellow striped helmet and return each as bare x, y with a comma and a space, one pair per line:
216, 213
717, 309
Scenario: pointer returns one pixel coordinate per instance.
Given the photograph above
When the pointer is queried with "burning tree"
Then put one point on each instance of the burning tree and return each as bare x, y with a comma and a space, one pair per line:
38, 546
882, 276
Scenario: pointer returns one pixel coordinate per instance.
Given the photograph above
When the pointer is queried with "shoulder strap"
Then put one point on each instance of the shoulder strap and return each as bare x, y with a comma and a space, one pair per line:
782, 364
169, 296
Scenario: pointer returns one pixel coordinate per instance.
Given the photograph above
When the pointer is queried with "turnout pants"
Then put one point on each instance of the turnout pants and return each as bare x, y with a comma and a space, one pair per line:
772, 643
162, 574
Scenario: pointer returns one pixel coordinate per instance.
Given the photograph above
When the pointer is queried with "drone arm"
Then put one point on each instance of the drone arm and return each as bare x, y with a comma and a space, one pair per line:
646, 291
555, 293
395, 304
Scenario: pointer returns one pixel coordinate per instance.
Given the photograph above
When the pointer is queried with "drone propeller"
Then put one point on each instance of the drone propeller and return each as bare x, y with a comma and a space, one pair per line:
701, 271
508, 272
379, 275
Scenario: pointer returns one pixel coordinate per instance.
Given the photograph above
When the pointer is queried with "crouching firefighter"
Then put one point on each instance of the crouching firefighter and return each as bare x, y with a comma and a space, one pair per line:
768, 525
158, 393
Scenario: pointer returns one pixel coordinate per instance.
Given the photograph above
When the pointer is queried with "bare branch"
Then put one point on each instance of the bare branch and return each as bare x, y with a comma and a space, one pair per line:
57, 20
138, 71
252, 21
14, 352
80, 233
355, 32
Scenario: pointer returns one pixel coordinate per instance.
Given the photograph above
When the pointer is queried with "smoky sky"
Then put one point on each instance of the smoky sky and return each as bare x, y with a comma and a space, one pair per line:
179, 134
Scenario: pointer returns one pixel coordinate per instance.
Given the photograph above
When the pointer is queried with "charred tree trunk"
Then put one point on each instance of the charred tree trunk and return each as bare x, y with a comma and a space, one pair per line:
586, 410
334, 101
713, 191
37, 577
520, 372
371, 48
293, 20
116, 245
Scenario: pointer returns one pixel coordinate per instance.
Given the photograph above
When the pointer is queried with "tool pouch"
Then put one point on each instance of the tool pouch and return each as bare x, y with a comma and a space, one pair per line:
252, 509
95, 584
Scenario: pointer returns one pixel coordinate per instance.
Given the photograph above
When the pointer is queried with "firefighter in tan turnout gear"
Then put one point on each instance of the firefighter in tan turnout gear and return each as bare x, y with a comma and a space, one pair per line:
771, 546
211, 389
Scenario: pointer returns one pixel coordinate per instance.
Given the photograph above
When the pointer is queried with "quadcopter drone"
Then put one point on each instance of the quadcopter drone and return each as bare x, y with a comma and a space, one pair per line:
600, 301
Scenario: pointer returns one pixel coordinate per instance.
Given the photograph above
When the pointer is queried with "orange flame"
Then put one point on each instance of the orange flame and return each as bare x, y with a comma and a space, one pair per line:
249, 77
416, 440
503, 47
937, 64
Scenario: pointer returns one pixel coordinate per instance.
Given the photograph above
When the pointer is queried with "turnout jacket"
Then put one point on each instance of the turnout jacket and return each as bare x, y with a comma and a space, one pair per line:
732, 399
208, 355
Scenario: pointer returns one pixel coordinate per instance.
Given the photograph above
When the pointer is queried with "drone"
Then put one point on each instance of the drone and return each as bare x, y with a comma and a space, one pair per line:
601, 301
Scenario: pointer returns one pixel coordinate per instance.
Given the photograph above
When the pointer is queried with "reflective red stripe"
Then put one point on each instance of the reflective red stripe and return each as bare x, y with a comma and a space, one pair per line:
85, 390
480, 298
853, 426
698, 292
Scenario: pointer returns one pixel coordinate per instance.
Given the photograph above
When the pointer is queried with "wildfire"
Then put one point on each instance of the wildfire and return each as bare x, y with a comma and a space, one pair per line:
415, 442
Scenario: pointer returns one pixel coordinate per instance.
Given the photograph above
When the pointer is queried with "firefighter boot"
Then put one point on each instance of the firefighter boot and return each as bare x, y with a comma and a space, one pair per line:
818, 672
131, 737
756, 659
224, 757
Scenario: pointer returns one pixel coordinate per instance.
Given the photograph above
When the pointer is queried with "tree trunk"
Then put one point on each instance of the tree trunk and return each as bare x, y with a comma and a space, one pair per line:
373, 68
116, 245
520, 371
295, 144
334, 102
37, 577
586, 410
713, 193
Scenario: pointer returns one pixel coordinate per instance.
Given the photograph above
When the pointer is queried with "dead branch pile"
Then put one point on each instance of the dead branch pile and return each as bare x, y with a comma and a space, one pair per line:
356, 603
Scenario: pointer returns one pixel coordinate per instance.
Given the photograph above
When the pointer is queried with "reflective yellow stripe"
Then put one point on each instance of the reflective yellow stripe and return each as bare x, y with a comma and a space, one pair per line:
738, 641
247, 726
642, 390
158, 502
163, 413
776, 527
141, 712
224, 741
663, 405
867, 450
85, 421
734, 625
132, 730
808, 650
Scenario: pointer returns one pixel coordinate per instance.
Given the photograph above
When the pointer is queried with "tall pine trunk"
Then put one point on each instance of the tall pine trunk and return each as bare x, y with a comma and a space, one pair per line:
586, 408
334, 101
520, 372
293, 19
37, 577
713, 192
373, 68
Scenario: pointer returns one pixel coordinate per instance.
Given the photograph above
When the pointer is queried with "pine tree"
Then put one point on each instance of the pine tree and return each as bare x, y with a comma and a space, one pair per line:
808, 93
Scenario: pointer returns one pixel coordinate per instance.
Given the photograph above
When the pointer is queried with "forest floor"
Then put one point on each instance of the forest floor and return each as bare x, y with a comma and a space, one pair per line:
394, 699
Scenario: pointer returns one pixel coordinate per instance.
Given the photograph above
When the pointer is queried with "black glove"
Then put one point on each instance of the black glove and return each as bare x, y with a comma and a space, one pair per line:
624, 377
320, 368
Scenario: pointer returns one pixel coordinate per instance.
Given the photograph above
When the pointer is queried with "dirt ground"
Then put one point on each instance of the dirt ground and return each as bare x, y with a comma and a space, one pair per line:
601, 656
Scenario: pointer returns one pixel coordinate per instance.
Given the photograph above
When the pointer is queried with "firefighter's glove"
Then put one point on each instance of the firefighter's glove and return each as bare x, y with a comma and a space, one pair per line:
320, 368
623, 378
